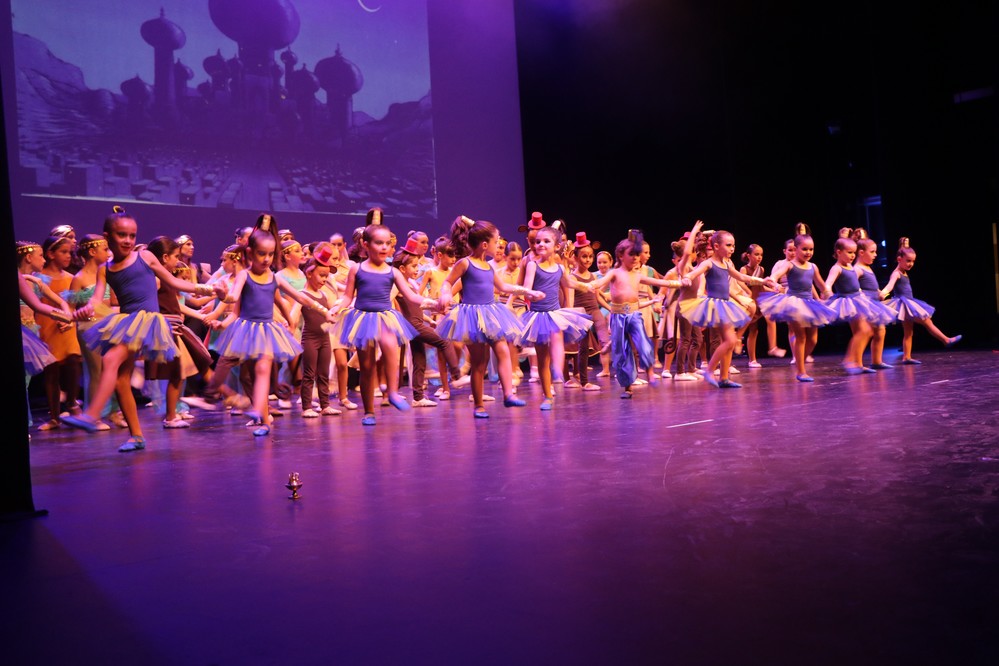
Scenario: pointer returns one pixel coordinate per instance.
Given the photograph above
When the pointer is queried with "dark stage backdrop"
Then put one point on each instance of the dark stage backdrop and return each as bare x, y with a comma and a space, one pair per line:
753, 116
198, 116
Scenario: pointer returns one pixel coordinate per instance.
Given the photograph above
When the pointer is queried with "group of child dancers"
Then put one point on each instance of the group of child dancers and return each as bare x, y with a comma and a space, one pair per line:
276, 303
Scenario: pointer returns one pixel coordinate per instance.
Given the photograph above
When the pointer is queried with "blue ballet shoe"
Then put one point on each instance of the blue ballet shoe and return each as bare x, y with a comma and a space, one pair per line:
953, 341
864, 370
132, 444
262, 431
513, 401
369, 419
852, 369
911, 361
253, 415
547, 404
881, 366
81, 421
709, 378
627, 395
398, 402
804, 378
728, 383
480, 413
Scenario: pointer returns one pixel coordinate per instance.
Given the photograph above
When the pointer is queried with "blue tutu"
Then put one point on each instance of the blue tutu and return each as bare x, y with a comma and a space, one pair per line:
480, 323
251, 340
360, 328
538, 327
788, 308
710, 312
36, 353
910, 308
860, 306
146, 333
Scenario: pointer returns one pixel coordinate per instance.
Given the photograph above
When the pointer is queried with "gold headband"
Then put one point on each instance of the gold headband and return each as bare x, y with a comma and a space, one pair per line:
183, 238
291, 246
27, 249
93, 242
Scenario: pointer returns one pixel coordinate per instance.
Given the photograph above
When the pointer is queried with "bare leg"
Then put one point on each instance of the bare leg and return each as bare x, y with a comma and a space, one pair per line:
544, 368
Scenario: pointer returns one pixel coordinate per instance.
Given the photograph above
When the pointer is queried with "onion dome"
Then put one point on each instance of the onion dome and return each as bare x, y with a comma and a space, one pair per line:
136, 89
163, 33
182, 72
271, 24
214, 65
303, 83
339, 76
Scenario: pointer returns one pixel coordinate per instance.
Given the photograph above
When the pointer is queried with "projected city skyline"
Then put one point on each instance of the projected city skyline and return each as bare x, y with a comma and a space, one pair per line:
263, 105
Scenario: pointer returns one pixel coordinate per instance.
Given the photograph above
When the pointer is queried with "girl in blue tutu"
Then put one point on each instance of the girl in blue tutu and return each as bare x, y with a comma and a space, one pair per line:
547, 325
250, 333
867, 252
853, 306
371, 322
137, 330
798, 307
478, 321
910, 310
715, 309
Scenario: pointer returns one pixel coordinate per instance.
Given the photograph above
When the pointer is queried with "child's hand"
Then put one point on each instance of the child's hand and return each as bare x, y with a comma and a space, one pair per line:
685, 281
81, 314
769, 283
534, 295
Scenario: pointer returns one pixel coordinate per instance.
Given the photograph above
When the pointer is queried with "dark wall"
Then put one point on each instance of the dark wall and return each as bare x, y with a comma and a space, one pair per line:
752, 116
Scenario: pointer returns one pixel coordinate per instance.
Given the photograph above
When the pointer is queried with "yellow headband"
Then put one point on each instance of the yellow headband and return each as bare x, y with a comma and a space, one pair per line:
27, 249
94, 242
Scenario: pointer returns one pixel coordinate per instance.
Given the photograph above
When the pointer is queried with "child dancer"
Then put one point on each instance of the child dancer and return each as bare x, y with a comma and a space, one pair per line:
292, 258
317, 350
780, 267
478, 320
407, 260
867, 252
36, 353
192, 357
798, 307
430, 285
138, 330
93, 252
605, 263
546, 325
590, 301
851, 305
716, 309
63, 376
371, 322
753, 267
250, 332
627, 328
908, 309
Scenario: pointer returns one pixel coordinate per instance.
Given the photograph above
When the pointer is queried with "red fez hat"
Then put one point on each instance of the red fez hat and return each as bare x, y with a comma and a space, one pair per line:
581, 240
536, 222
323, 254
413, 247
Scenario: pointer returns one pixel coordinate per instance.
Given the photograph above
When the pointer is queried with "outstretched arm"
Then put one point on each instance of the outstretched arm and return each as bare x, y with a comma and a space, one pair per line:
895, 275
406, 291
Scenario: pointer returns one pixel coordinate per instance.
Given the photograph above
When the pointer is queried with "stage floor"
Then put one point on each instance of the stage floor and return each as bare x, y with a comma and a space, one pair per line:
853, 520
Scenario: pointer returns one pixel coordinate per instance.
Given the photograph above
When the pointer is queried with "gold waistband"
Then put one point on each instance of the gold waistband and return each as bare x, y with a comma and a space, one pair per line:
623, 308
